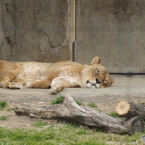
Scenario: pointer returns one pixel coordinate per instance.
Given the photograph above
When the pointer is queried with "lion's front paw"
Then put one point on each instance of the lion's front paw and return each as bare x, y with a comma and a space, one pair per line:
56, 88
13, 85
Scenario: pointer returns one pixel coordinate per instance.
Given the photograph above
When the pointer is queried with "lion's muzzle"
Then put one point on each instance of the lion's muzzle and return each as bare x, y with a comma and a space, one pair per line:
93, 84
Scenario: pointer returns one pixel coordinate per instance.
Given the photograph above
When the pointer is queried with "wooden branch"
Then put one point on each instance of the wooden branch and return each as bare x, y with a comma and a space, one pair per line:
69, 109
128, 109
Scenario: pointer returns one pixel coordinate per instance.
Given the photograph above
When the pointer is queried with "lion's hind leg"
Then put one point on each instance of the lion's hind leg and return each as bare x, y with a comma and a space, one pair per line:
8, 71
6, 79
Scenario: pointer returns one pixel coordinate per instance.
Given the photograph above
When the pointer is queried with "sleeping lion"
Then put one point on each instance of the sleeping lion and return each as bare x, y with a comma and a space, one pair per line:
56, 76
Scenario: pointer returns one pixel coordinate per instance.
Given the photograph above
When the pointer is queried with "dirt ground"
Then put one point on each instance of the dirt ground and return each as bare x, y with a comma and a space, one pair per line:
16, 121
25, 122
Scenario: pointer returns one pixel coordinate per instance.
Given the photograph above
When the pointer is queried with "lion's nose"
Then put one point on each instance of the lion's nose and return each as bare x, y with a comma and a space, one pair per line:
98, 81
87, 81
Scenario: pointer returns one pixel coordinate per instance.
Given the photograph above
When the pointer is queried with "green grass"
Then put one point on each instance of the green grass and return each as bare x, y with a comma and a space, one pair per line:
9, 109
40, 123
4, 117
58, 100
93, 105
79, 103
3, 105
65, 134
61, 99
113, 114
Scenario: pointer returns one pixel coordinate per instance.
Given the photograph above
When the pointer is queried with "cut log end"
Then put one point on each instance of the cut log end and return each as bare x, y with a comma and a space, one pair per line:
129, 109
136, 124
122, 108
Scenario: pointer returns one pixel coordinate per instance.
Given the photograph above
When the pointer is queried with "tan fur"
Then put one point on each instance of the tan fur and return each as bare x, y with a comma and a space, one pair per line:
55, 76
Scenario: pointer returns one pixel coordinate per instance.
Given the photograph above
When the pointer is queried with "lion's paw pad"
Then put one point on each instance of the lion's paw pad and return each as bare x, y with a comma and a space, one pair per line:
55, 89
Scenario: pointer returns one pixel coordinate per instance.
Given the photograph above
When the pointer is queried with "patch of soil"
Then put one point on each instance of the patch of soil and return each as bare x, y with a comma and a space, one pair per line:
21, 122
25, 122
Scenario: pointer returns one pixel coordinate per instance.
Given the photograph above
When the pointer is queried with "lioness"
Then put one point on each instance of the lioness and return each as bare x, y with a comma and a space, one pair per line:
55, 76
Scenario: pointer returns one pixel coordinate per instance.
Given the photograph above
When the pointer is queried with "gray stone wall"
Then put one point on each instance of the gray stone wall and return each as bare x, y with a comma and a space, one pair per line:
113, 30
6, 30
35, 30
40, 30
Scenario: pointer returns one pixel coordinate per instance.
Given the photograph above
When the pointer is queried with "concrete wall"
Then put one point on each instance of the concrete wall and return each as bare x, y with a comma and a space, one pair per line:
113, 30
37, 30
40, 30
6, 31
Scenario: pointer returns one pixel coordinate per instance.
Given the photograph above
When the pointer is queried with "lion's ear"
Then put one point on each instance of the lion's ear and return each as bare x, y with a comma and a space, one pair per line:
95, 60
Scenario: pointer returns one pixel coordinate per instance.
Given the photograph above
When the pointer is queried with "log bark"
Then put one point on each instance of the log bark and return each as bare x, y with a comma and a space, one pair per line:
129, 109
69, 109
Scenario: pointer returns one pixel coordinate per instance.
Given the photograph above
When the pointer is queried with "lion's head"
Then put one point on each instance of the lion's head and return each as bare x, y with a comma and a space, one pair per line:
96, 75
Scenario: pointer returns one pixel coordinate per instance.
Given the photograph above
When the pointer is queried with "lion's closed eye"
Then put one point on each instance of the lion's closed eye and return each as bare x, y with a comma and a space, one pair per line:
105, 81
98, 71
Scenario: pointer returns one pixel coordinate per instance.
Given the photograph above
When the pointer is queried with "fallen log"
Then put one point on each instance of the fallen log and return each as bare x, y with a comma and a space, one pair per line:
129, 109
69, 109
